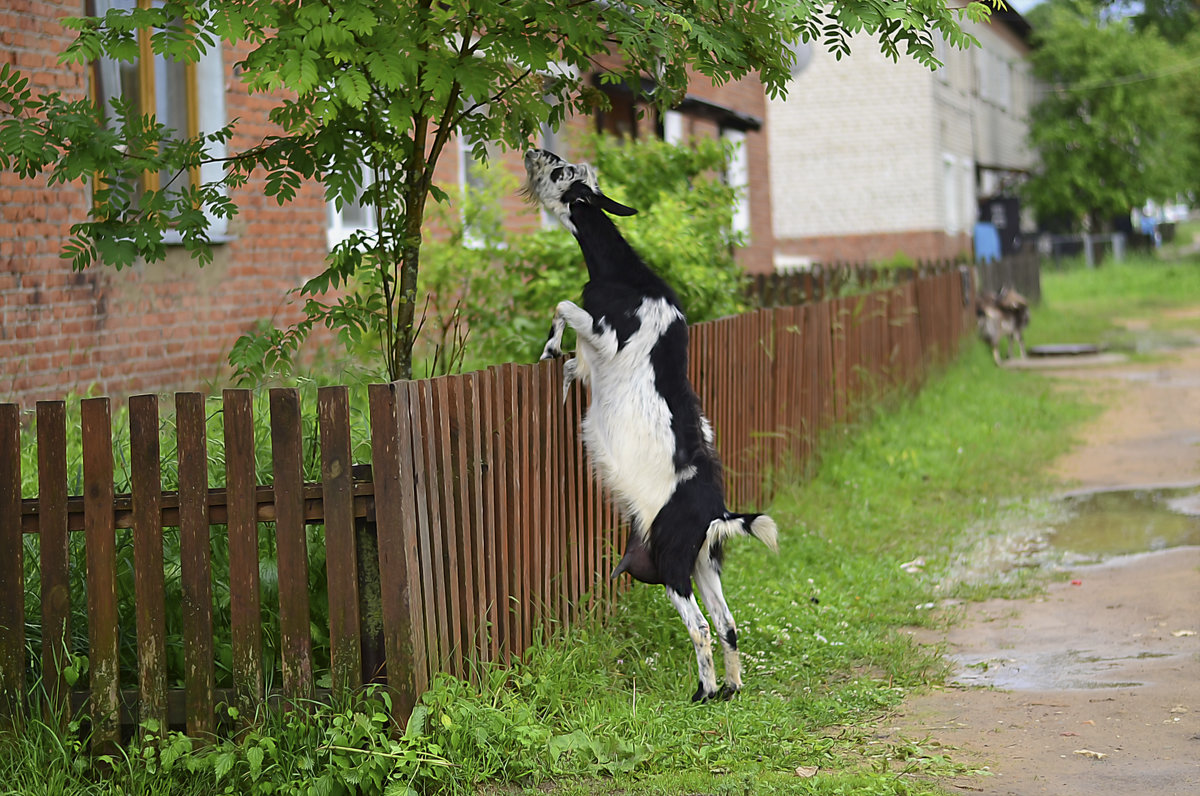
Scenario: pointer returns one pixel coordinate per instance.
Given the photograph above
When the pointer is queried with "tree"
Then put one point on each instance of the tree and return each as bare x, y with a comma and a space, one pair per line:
374, 90
1174, 20
1112, 130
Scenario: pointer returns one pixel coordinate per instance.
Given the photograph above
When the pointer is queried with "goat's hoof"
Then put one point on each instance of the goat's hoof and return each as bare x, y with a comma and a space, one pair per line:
550, 353
728, 692
703, 694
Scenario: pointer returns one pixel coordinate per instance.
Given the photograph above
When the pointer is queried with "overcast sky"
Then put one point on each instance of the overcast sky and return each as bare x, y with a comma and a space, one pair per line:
1023, 5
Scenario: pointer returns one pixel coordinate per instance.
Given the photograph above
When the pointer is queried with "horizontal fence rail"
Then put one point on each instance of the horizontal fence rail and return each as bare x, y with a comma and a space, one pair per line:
476, 524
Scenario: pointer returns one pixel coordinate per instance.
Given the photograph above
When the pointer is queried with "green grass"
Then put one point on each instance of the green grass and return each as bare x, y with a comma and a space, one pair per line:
604, 708
1084, 305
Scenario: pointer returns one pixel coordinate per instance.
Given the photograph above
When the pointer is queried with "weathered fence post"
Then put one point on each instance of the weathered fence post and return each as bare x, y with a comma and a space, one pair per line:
346, 651
244, 596
149, 588
12, 579
195, 563
100, 541
391, 466
54, 557
291, 545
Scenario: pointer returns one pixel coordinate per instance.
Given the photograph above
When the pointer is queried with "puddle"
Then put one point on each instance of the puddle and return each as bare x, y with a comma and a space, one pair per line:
1121, 522
1150, 340
1039, 670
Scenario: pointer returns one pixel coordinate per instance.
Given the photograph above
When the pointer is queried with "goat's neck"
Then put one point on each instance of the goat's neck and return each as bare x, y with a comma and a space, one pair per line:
608, 255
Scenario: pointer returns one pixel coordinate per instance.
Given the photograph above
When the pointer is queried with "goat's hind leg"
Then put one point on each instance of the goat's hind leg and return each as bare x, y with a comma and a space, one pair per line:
708, 583
697, 627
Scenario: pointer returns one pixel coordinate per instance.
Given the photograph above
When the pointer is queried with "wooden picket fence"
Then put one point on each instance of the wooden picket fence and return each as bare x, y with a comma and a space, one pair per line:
482, 521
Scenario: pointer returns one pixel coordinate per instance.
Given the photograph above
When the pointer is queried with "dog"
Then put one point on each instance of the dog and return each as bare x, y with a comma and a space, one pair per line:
1003, 315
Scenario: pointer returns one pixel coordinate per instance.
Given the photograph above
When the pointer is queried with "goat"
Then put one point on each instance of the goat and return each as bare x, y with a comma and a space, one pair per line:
1002, 315
644, 428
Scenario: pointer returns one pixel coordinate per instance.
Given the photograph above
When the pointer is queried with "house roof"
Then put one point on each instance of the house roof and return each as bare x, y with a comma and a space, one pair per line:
1005, 14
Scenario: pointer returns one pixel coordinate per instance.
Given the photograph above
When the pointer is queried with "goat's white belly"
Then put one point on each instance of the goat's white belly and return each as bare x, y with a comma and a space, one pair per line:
628, 434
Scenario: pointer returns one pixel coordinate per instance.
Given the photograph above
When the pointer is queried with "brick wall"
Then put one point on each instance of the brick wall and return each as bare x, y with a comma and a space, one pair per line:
149, 327
169, 325
873, 247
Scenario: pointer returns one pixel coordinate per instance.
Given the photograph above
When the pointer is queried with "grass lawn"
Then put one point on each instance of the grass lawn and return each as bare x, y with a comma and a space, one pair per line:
1085, 305
604, 709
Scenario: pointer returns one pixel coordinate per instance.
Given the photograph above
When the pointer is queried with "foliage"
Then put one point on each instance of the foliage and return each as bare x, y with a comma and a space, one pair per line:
311, 750
1174, 20
367, 95
1113, 129
490, 294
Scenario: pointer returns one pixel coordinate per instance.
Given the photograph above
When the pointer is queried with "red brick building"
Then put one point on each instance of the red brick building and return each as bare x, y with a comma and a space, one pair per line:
169, 325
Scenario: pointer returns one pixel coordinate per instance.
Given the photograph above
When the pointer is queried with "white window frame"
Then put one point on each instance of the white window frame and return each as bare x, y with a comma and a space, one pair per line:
950, 200
337, 229
737, 176
673, 127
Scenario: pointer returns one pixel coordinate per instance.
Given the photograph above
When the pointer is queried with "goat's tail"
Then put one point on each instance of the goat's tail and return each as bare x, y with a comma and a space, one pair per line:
760, 526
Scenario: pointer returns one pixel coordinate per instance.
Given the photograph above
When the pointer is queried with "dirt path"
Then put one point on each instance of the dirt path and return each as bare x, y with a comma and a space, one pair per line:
1095, 687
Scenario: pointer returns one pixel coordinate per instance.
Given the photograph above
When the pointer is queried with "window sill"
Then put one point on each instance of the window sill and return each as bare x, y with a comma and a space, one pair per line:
173, 238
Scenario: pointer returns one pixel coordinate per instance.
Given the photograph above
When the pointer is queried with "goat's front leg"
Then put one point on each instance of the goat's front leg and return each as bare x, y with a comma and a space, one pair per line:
595, 341
553, 347
697, 628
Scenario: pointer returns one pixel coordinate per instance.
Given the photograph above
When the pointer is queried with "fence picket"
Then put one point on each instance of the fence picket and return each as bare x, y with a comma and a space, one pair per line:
400, 586
12, 572
149, 587
442, 456
470, 428
54, 556
195, 563
341, 556
244, 595
290, 544
503, 511
509, 418
100, 542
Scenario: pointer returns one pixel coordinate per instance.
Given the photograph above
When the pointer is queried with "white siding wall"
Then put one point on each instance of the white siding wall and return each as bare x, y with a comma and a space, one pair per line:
865, 145
853, 148
1000, 102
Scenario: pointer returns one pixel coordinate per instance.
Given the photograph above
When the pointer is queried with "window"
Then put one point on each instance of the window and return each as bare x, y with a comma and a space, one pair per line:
969, 211
672, 127
950, 198
959, 203
738, 177
621, 120
186, 98
352, 217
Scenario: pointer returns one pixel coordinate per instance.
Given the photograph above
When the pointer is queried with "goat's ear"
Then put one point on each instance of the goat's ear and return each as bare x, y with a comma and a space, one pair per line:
614, 207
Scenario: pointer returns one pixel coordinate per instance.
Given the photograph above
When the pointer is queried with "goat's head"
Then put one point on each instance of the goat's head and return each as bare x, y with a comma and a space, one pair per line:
557, 185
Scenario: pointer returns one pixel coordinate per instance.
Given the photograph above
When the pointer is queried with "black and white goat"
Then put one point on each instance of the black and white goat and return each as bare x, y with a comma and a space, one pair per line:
644, 429
1001, 316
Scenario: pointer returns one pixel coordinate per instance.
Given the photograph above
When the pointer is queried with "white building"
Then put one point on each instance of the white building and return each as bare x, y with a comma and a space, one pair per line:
872, 158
